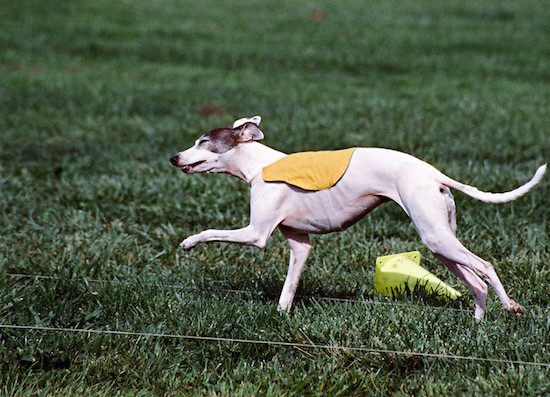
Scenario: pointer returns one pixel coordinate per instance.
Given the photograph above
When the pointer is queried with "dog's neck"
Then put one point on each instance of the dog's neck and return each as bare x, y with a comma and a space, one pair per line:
246, 160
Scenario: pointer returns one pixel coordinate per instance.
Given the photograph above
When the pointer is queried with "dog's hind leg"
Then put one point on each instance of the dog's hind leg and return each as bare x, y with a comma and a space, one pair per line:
427, 205
475, 284
299, 249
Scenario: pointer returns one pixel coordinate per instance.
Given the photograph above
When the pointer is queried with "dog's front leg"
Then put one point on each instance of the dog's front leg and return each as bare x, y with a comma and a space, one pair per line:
264, 218
299, 249
249, 235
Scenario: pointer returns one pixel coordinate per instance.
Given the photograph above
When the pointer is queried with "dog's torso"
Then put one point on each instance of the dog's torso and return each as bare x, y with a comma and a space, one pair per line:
310, 170
365, 185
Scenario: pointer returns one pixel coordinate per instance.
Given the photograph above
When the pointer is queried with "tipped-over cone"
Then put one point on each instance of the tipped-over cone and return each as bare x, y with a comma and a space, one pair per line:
400, 273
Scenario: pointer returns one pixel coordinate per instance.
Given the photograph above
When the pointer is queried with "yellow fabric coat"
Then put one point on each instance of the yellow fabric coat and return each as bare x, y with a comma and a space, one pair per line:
310, 170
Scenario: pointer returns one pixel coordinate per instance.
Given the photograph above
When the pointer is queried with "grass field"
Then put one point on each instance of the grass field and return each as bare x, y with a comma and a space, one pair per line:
96, 96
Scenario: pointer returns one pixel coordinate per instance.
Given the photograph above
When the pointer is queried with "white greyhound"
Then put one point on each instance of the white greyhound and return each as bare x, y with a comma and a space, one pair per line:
373, 176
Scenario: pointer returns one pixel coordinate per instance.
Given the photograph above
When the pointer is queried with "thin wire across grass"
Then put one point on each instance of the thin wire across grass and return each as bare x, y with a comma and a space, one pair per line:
87, 281
359, 349
296, 345
229, 290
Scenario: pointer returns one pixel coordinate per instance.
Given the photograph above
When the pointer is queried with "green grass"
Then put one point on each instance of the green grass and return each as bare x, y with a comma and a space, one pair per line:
96, 96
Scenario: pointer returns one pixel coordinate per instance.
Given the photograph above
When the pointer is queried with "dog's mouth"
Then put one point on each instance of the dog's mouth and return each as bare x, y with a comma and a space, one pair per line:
188, 168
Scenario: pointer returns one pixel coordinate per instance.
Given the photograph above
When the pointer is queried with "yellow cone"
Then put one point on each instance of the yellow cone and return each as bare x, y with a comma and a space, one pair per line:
395, 274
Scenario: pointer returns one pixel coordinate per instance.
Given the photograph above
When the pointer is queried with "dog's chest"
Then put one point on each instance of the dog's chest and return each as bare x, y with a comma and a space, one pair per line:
325, 211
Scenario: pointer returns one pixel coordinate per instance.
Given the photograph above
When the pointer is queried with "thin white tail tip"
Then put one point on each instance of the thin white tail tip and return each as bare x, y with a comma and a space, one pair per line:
540, 171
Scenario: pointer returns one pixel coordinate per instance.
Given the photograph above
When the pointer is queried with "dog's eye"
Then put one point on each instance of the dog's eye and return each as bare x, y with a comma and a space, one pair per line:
203, 141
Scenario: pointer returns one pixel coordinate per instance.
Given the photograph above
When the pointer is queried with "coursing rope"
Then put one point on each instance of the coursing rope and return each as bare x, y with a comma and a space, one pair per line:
236, 291
227, 290
253, 341
273, 343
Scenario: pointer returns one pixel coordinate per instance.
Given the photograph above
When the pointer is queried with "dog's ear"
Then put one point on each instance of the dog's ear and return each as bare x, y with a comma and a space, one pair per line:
248, 132
256, 120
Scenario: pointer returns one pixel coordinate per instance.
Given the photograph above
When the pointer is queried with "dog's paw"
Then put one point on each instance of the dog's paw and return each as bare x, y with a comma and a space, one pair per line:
516, 309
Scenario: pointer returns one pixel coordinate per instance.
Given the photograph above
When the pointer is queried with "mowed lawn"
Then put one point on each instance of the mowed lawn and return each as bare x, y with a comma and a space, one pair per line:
95, 97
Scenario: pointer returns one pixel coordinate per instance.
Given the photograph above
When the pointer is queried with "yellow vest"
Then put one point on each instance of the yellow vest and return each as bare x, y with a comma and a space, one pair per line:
310, 170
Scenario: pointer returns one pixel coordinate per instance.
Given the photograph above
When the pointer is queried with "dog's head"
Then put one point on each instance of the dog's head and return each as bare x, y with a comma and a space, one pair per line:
210, 151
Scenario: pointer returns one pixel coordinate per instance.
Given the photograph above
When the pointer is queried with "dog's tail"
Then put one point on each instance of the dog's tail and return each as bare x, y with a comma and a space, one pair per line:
497, 197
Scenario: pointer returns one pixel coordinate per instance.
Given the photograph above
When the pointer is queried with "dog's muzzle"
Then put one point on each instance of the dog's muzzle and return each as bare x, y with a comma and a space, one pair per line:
187, 168
174, 160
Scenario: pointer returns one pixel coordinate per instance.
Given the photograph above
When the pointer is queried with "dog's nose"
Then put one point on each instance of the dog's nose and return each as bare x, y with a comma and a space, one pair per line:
174, 160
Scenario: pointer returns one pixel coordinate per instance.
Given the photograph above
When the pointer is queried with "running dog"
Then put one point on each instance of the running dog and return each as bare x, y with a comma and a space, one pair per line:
372, 177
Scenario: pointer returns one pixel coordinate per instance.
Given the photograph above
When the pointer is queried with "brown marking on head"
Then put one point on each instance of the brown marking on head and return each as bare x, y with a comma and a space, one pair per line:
221, 140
